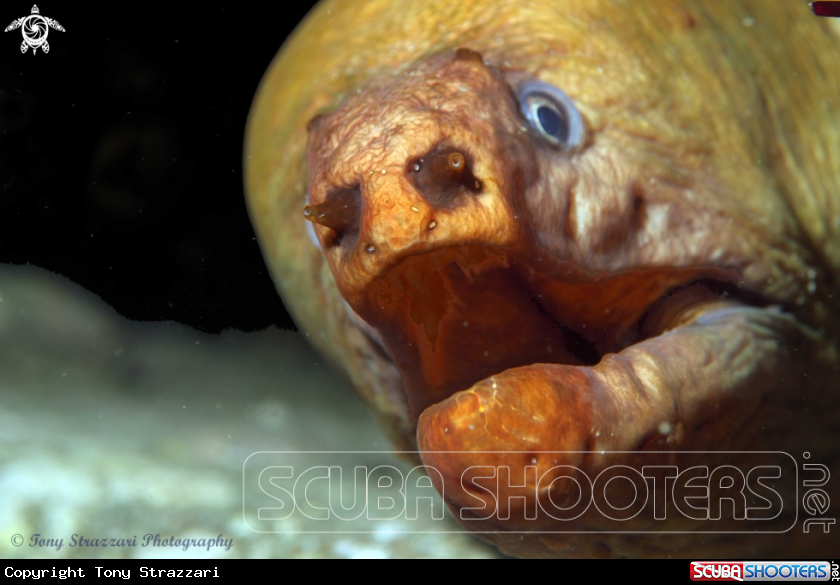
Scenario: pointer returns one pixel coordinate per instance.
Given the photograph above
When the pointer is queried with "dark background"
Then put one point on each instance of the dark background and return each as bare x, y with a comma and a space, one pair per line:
121, 155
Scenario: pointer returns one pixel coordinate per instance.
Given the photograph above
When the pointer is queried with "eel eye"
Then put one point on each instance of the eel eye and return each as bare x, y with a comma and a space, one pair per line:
551, 113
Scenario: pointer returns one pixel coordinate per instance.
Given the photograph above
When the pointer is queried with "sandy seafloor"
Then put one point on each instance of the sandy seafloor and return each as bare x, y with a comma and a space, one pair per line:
118, 429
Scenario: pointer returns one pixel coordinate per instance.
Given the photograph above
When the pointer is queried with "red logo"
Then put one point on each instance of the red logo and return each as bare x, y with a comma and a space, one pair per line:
826, 8
716, 571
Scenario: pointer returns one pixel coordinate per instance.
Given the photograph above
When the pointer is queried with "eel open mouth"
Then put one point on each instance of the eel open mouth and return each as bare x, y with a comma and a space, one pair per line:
457, 316
536, 299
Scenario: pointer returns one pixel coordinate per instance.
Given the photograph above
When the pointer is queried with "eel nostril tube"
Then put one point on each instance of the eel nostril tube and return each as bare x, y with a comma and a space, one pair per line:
340, 211
443, 174
456, 161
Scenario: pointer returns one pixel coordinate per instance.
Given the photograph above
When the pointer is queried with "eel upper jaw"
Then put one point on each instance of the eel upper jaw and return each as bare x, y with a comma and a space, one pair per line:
460, 294
438, 253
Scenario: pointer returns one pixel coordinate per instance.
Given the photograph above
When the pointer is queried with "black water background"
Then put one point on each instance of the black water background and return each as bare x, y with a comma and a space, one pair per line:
121, 155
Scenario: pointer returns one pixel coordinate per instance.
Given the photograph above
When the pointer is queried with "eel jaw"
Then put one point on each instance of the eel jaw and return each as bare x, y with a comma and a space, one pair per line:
419, 195
730, 378
502, 346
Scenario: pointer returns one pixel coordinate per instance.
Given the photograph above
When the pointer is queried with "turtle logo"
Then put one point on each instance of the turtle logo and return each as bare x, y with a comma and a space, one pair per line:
35, 28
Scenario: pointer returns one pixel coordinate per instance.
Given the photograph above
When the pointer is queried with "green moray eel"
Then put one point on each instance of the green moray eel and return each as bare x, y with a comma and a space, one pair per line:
603, 229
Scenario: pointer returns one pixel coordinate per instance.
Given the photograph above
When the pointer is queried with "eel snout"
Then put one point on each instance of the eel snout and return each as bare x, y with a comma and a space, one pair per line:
432, 200
409, 169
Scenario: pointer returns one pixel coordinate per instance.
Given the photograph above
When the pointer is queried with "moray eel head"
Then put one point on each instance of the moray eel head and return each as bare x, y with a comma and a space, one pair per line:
542, 281
580, 234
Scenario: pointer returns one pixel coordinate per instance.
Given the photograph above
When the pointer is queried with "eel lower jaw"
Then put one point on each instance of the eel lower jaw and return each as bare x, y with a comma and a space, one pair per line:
720, 381
664, 392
